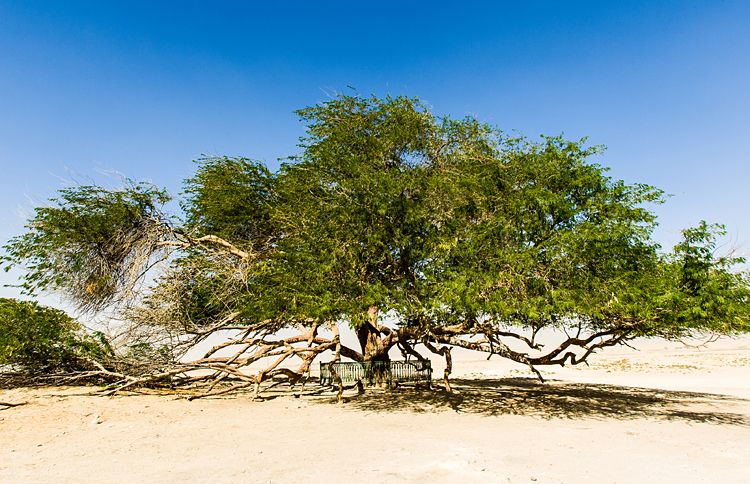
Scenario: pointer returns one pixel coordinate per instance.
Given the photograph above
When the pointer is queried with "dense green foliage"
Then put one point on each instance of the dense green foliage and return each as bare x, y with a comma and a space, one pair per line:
444, 221
452, 220
444, 227
231, 198
35, 337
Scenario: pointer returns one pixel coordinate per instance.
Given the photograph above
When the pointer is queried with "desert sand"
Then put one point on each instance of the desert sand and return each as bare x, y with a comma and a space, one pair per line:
665, 413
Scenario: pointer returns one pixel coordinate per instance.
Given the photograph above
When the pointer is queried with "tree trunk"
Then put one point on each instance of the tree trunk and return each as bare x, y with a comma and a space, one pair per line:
373, 350
370, 338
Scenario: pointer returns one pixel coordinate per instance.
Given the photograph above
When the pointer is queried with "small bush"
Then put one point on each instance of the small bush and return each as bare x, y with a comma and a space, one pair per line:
37, 338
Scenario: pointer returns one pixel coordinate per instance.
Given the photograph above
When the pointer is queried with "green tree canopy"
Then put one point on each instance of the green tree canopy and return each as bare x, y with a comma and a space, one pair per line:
408, 227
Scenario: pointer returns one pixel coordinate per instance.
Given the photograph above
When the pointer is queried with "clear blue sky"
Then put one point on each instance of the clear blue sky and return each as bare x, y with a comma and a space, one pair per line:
142, 88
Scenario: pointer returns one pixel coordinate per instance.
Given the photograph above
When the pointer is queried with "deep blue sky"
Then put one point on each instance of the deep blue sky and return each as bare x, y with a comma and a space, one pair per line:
142, 88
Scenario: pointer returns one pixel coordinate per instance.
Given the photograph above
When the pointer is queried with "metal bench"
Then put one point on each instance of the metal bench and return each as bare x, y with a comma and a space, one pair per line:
376, 372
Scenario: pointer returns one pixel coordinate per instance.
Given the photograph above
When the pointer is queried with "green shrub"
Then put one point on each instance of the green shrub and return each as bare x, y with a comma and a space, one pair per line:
39, 338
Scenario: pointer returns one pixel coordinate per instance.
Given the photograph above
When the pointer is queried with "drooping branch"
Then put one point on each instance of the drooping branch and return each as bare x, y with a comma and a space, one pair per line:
444, 351
529, 341
407, 349
608, 338
489, 343
496, 347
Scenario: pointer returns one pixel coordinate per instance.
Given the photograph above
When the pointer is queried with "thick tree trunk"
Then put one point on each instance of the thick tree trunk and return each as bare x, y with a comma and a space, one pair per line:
370, 338
373, 350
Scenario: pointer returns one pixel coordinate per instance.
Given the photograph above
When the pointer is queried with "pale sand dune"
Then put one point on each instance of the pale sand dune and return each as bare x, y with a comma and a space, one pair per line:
667, 413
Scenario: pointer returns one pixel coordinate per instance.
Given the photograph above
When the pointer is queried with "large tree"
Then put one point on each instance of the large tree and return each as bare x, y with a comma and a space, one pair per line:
409, 228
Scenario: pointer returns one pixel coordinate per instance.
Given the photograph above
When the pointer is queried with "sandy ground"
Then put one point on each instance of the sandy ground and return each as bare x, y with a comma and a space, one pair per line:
666, 413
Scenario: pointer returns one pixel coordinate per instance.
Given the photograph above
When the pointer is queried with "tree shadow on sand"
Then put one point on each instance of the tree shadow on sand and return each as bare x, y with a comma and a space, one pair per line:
555, 399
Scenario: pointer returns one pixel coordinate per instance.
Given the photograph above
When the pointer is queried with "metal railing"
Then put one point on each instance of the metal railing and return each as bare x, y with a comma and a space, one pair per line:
376, 372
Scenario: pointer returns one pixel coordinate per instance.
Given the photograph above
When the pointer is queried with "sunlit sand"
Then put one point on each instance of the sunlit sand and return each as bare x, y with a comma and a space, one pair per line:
666, 413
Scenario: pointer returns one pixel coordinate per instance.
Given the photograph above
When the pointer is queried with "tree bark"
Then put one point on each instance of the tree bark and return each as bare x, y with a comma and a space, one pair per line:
371, 339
